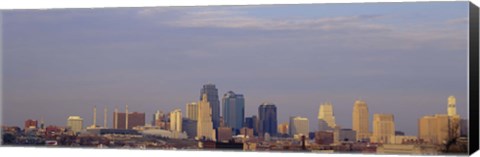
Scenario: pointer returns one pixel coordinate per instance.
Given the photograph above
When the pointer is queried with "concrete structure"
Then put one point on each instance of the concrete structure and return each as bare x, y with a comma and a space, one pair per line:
115, 118
31, 124
192, 111
75, 123
360, 120
224, 134
212, 98
164, 133
105, 125
204, 120
267, 113
298, 126
176, 120
326, 118
283, 129
451, 106
435, 129
383, 128
233, 107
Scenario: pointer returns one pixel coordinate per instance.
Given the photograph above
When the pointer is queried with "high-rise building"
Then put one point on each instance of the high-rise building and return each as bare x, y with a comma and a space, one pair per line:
75, 123
283, 129
204, 120
452, 108
252, 122
347, 135
360, 120
233, 107
435, 129
267, 113
212, 98
298, 126
192, 110
383, 128
176, 120
248, 132
130, 120
326, 118
31, 124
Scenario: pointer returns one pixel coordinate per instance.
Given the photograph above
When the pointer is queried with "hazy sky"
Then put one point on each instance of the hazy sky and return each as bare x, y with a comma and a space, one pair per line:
401, 58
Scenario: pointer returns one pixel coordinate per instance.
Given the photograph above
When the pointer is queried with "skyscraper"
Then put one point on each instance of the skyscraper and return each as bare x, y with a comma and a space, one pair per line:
176, 120
452, 108
233, 106
282, 129
212, 98
75, 123
326, 118
383, 128
298, 126
360, 120
267, 113
204, 120
192, 111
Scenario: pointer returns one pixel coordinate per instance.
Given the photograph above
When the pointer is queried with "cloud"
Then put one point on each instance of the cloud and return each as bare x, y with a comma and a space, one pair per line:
239, 20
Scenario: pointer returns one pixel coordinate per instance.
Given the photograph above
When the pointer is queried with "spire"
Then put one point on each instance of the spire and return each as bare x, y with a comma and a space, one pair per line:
126, 116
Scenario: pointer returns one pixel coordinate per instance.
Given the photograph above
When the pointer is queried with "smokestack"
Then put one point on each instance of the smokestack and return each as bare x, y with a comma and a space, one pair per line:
105, 117
115, 120
95, 116
126, 116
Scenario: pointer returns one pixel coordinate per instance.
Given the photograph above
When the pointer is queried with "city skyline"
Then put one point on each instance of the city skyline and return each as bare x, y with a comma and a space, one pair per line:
87, 61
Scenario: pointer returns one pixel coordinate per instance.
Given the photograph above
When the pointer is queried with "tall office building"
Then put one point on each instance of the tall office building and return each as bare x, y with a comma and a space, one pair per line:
452, 108
212, 98
252, 122
75, 123
435, 129
204, 120
190, 127
360, 120
326, 118
176, 120
233, 106
298, 126
267, 113
383, 128
192, 110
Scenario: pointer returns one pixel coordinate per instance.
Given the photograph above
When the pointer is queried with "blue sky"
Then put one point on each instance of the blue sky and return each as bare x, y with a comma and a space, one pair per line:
401, 58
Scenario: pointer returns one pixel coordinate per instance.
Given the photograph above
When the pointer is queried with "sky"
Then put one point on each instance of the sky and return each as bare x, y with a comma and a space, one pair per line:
403, 59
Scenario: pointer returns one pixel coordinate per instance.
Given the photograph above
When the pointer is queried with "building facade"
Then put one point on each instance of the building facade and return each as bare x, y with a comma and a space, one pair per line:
298, 126
212, 98
326, 118
176, 120
383, 128
75, 123
192, 111
283, 129
124, 121
435, 129
31, 124
360, 120
267, 113
233, 107
252, 122
204, 121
